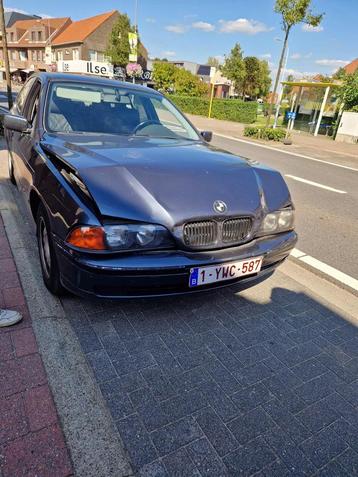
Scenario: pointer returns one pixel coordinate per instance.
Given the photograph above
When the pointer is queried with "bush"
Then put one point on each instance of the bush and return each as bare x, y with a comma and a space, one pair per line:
354, 109
229, 109
268, 134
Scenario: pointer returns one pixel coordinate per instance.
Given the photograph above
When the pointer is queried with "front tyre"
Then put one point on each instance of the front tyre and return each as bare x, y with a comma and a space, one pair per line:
10, 168
48, 259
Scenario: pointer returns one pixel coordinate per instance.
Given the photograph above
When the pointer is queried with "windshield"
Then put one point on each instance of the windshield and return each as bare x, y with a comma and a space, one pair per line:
94, 108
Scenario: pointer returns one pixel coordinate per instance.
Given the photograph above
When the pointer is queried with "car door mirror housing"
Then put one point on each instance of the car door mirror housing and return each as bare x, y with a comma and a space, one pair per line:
16, 123
207, 135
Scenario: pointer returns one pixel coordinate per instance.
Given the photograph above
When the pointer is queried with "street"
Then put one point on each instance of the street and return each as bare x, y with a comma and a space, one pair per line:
326, 212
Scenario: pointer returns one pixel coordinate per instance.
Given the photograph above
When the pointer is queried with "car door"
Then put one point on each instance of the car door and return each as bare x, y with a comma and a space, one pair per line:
13, 137
26, 140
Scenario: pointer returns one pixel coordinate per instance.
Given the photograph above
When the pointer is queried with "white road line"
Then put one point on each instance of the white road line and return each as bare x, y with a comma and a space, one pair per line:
315, 184
286, 152
326, 269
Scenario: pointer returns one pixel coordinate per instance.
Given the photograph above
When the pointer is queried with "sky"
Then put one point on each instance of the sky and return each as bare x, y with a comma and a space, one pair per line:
193, 30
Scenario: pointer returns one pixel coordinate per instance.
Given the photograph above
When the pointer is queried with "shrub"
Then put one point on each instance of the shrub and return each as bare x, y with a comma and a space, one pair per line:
268, 134
229, 109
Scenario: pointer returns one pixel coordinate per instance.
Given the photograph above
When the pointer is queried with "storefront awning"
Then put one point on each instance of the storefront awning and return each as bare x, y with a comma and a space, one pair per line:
12, 70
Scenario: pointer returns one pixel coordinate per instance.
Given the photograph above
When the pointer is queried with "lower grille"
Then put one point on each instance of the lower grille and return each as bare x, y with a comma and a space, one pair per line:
210, 232
198, 234
235, 230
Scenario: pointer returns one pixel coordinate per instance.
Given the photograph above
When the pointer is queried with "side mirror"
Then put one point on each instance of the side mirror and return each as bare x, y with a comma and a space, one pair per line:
207, 135
16, 123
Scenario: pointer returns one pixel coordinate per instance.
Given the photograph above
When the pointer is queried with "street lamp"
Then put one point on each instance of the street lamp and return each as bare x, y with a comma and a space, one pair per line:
279, 98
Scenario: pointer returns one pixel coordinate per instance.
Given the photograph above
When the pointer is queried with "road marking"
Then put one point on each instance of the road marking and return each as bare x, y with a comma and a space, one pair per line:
316, 184
287, 152
326, 269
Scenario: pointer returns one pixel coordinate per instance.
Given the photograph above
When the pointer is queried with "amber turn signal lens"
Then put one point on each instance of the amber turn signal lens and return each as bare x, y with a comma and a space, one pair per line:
90, 238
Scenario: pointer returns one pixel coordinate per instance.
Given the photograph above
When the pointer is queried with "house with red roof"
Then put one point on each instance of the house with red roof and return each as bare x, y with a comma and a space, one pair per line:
352, 67
85, 39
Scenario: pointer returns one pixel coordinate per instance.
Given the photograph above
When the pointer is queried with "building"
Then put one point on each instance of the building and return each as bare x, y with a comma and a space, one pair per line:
351, 67
60, 44
85, 39
12, 16
29, 43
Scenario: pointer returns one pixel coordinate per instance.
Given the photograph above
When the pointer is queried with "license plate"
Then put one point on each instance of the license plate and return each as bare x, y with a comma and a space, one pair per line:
226, 271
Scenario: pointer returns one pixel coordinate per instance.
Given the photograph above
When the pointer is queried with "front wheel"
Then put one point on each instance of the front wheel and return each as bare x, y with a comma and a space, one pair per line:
10, 168
48, 259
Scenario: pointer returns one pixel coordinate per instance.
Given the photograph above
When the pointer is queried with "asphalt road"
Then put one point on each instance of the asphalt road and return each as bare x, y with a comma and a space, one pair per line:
326, 219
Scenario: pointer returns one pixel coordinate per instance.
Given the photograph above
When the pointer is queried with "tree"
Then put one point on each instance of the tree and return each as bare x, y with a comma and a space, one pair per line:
348, 93
212, 61
251, 83
118, 46
185, 83
164, 75
340, 74
293, 12
287, 89
265, 78
234, 68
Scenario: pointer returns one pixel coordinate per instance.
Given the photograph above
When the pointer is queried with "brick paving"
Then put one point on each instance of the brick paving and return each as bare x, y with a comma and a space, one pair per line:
262, 383
31, 439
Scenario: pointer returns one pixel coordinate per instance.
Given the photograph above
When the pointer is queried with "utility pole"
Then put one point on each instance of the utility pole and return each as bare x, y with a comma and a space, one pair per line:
5, 54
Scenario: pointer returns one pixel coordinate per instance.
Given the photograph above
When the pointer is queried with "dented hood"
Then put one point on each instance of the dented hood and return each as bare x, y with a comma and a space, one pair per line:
162, 180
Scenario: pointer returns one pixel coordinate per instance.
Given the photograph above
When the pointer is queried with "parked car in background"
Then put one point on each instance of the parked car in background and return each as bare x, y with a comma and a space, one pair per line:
129, 198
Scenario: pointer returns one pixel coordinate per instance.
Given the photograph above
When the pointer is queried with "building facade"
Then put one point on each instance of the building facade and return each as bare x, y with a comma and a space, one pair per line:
85, 39
46, 44
29, 42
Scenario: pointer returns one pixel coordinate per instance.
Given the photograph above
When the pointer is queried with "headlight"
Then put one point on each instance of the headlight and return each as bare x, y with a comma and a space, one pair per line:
276, 222
121, 237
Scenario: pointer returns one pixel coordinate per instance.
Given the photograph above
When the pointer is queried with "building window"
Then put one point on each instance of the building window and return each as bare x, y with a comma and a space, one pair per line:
92, 55
75, 54
59, 55
23, 55
100, 56
12, 36
40, 35
33, 36
13, 55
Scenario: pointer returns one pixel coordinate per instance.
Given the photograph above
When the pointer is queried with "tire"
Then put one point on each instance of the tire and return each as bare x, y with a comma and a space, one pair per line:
48, 259
10, 168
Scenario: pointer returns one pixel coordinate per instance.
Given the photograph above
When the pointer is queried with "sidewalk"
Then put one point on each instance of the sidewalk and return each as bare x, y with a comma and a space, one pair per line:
31, 438
320, 147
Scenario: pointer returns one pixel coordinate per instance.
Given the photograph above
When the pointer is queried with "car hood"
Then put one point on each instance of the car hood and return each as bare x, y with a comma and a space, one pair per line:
159, 180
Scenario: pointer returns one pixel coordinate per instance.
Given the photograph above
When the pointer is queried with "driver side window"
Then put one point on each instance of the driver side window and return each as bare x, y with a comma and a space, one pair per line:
23, 94
32, 103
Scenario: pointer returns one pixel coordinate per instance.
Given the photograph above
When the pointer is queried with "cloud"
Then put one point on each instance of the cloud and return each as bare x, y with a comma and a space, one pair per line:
204, 26
176, 28
150, 20
296, 56
297, 74
243, 25
18, 10
332, 63
266, 55
168, 53
306, 27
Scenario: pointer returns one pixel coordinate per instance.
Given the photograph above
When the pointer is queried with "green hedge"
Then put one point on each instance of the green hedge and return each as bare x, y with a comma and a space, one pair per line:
229, 109
268, 134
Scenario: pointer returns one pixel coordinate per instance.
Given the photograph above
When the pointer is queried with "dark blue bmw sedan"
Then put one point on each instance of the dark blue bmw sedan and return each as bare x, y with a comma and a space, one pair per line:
129, 198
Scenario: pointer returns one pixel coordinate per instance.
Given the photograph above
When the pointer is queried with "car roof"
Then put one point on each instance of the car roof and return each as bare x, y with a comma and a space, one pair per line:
98, 80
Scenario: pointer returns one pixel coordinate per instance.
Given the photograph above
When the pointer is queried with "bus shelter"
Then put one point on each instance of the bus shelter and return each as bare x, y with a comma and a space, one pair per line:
310, 106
